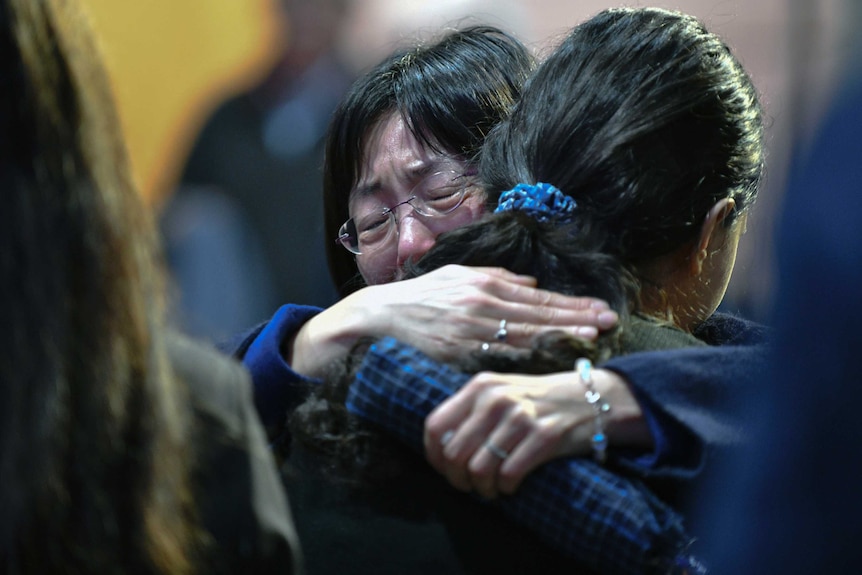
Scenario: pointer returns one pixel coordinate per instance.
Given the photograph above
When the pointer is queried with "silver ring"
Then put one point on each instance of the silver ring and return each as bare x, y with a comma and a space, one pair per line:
501, 453
502, 332
447, 437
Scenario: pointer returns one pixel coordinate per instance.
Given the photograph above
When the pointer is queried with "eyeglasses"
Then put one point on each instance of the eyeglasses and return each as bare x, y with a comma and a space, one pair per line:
436, 195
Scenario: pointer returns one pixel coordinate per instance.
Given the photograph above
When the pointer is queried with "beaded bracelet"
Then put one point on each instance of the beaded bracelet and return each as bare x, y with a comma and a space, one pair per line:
599, 440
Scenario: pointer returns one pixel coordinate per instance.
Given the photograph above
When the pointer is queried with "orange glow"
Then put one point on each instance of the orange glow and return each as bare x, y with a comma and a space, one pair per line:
171, 62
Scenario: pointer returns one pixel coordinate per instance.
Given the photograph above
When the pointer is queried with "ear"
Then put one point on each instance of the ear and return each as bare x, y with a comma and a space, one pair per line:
709, 232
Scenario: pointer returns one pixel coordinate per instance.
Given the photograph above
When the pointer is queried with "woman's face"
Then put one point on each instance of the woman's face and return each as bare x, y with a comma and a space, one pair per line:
395, 163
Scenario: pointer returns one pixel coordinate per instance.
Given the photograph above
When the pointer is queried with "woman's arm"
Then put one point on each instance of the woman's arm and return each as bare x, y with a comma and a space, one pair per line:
695, 397
533, 418
441, 313
667, 408
610, 523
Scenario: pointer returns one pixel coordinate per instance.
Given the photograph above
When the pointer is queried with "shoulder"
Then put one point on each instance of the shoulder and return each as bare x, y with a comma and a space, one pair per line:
643, 334
287, 320
238, 345
218, 386
236, 485
728, 329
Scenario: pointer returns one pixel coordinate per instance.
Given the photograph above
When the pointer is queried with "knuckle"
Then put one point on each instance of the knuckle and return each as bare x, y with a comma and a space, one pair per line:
552, 315
497, 402
479, 470
545, 299
520, 418
443, 418
546, 434
481, 283
481, 382
529, 330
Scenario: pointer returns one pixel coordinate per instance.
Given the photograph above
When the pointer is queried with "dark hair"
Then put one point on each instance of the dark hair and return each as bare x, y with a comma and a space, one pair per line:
646, 120
560, 260
93, 459
359, 454
450, 93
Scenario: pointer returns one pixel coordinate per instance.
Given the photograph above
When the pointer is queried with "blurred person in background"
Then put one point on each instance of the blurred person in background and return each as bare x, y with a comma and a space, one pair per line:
244, 229
124, 448
789, 503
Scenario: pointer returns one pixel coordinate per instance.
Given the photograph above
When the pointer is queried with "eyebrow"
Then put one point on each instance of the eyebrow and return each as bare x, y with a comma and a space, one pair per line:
414, 173
366, 190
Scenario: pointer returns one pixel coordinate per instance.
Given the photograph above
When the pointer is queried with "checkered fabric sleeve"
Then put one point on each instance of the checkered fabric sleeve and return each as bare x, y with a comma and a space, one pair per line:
602, 520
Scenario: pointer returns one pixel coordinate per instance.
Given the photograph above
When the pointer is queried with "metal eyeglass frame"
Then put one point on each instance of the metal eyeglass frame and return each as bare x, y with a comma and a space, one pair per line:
348, 235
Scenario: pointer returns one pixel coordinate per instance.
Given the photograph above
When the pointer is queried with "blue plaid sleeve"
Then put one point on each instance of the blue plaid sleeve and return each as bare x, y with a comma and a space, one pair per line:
602, 520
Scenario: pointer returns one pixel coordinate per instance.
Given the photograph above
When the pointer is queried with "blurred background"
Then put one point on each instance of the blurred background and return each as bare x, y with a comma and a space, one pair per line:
224, 105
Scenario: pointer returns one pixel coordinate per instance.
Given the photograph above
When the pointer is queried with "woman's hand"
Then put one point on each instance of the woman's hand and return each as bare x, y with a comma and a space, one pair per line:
498, 428
445, 313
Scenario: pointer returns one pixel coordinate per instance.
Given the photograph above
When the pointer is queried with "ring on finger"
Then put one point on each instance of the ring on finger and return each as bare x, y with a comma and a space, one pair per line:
447, 437
502, 332
495, 450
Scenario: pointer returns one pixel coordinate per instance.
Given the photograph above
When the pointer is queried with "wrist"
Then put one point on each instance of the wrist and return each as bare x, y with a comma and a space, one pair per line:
326, 337
601, 408
625, 424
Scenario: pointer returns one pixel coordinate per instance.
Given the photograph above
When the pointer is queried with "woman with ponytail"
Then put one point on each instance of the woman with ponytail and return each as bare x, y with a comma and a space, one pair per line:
625, 172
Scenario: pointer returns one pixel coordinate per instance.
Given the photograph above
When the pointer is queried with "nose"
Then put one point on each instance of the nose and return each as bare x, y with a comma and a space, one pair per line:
414, 236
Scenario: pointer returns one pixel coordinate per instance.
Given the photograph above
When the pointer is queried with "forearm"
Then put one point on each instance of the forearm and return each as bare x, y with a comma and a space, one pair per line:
599, 519
331, 334
693, 399
276, 385
293, 349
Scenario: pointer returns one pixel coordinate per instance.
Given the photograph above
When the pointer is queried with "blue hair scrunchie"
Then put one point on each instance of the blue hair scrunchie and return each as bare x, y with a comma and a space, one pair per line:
541, 201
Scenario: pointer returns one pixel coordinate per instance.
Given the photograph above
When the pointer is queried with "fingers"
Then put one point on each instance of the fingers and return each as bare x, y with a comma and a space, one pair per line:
520, 289
441, 427
496, 448
456, 430
470, 436
504, 274
535, 449
596, 315
522, 334
499, 427
527, 293
458, 308
535, 309
486, 463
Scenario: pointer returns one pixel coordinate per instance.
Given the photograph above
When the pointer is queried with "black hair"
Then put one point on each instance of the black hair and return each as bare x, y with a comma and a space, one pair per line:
561, 258
644, 118
451, 93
